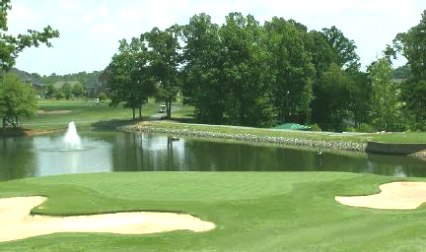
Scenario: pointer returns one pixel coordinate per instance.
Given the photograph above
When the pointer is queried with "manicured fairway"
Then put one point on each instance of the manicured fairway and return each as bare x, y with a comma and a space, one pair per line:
53, 114
253, 212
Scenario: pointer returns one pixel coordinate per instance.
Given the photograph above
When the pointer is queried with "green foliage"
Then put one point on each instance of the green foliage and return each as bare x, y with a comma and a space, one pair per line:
365, 127
11, 46
315, 127
343, 47
412, 44
385, 112
402, 73
102, 96
51, 91
17, 101
329, 112
203, 69
129, 75
66, 90
78, 90
163, 61
292, 70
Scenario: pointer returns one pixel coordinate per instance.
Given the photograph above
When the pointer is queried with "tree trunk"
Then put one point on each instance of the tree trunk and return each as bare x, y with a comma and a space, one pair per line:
169, 109
140, 112
4, 125
134, 113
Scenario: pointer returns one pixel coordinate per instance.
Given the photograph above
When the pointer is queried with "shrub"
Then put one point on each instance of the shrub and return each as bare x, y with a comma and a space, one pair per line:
315, 127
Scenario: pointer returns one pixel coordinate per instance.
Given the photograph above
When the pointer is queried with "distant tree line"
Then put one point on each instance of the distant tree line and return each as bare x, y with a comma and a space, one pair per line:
245, 73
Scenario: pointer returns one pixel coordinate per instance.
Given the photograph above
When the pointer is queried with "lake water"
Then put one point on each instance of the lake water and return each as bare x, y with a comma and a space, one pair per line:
109, 151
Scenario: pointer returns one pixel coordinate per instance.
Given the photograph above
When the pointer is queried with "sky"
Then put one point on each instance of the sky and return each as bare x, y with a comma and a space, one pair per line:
90, 29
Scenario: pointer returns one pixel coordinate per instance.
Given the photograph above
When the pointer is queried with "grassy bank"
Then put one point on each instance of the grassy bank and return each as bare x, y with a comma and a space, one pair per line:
346, 141
253, 212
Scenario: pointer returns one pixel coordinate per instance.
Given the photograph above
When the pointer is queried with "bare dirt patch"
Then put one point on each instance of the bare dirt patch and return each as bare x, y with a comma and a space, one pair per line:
17, 223
396, 195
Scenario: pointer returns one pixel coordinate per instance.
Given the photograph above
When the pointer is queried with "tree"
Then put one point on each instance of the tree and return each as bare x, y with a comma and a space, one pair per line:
164, 61
412, 45
11, 46
344, 48
17, 101
385, 100
51, 91
129, 75
332, 96
203, 69
78, 90
292, 69
66, 89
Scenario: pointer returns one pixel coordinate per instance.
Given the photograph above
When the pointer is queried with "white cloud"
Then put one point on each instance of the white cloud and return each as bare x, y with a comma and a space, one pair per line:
70, 4
21, 18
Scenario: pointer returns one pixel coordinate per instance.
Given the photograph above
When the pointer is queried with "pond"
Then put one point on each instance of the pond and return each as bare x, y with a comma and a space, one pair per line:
112, 151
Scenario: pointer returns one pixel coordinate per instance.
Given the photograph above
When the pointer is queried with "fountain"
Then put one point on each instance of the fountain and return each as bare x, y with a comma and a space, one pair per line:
71, 138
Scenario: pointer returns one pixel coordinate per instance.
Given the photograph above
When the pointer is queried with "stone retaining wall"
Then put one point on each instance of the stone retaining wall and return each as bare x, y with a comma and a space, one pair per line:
397, 149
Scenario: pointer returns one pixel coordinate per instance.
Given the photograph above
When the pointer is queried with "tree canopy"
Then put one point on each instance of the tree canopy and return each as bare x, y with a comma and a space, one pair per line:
246, 73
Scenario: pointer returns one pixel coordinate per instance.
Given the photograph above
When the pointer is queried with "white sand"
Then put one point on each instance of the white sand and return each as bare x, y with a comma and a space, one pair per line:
396, 195
17, 223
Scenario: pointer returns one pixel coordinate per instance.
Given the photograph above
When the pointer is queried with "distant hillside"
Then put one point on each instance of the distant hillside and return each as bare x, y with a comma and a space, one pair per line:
90, 81
402, 73
33, 78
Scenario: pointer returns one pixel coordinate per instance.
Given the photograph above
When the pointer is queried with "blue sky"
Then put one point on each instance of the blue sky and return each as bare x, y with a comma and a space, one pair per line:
90, 29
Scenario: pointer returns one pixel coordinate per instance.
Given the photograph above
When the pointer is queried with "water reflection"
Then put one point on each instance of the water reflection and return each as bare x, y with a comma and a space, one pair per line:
16, 158
148, 153
53, 157
105, 151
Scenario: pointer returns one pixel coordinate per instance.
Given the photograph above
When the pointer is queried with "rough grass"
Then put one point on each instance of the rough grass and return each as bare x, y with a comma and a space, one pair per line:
285, 211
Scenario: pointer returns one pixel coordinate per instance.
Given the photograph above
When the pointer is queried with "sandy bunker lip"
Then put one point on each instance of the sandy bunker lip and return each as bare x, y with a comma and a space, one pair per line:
17, 223
395, 195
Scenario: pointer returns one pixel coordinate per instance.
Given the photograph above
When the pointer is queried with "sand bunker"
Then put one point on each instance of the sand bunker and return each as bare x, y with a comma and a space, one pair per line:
17, 223
396, 195
53, 112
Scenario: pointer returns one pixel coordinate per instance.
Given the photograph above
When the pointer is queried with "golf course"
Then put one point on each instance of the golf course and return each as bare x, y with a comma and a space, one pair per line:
243, 211
252, 212
212, 126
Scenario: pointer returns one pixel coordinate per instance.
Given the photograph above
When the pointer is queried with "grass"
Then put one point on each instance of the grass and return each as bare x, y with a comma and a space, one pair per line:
309, 135
88, 113
285, 211
83, 112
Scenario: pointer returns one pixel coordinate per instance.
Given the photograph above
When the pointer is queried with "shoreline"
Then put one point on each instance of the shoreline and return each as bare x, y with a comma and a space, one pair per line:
294, 141
251, 138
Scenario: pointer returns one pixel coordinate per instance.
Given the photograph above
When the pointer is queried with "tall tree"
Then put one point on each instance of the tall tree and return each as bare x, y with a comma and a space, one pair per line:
247, 76
412, 45
203, 69
292, 69
164, 60
332, 96
129, 75
385, 100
